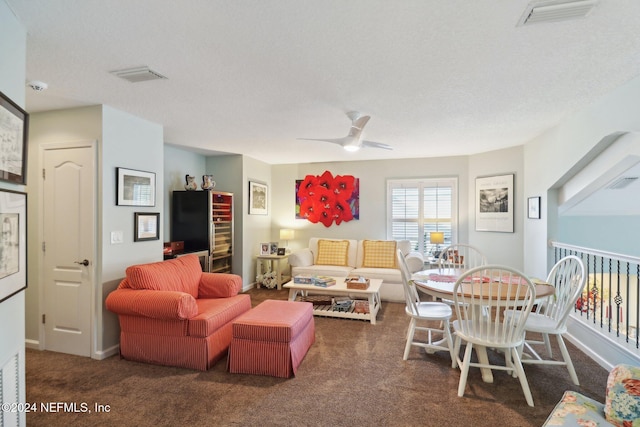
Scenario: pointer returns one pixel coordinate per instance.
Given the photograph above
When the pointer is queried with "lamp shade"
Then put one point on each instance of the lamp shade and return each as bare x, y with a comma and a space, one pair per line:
436, 237
286, 234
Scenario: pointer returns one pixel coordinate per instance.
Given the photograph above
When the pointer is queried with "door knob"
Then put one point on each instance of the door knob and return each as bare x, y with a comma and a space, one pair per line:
84, 262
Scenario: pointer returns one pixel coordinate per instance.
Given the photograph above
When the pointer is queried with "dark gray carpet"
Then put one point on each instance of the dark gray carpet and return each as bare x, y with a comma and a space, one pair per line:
353, 375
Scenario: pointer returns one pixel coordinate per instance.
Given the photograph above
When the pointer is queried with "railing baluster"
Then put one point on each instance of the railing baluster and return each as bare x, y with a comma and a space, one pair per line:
608, 287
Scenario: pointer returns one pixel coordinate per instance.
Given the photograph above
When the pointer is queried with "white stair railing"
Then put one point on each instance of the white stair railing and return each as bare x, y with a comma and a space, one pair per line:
610, 302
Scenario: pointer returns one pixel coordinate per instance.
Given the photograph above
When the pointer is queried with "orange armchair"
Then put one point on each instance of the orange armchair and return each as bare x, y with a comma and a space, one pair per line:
171, 313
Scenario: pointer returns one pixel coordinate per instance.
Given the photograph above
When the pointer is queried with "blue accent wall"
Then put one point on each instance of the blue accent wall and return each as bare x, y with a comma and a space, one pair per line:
619, 234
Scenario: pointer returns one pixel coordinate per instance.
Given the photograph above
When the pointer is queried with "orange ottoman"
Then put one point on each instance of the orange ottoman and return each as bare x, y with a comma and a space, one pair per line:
272, 338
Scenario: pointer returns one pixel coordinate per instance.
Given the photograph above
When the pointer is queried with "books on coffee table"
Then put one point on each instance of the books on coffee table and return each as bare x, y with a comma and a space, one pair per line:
321, 281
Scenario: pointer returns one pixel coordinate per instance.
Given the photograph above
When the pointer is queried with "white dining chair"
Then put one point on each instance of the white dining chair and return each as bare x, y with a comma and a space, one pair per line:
423, 311
461, 255
550, 315
481, 295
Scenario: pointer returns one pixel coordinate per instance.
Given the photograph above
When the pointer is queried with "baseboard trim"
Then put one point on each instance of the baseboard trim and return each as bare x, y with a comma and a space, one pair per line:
111, 351
602, 349
33, 344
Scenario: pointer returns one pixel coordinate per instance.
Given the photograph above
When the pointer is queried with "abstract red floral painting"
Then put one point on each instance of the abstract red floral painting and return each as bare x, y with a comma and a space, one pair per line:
327, 199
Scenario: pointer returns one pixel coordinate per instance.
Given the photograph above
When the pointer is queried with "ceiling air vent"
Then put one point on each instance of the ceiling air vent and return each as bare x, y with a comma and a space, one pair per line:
139, 74
556, 10
621, 182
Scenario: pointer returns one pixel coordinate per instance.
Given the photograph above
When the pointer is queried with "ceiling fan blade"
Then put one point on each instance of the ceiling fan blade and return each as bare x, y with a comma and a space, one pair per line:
372, 144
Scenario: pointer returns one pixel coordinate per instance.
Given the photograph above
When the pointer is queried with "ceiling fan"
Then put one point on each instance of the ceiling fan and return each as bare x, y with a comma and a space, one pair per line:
353, 141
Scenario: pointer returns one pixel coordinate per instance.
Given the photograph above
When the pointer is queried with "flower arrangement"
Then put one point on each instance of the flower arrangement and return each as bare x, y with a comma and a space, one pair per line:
268, 279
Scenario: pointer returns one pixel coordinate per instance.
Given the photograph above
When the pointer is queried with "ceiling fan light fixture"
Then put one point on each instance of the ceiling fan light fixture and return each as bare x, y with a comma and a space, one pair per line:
351, 148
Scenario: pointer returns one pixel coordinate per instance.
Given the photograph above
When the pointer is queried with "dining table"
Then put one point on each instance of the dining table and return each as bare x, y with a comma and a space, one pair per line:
439, 283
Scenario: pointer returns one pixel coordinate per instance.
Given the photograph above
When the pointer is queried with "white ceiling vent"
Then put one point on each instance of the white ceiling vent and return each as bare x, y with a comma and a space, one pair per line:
556, 10
621, 182
138, 74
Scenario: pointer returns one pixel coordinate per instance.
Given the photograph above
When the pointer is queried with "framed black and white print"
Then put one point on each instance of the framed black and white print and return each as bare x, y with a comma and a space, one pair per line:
258, 196
533, 208
14, 125
494, 203
135, 188
13, 243
146, 226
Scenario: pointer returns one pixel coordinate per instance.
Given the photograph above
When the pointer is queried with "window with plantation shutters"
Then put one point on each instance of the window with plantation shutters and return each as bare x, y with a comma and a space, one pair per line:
417, 207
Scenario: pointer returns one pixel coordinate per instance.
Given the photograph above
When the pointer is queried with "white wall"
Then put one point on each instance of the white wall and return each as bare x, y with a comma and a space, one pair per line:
549, 157
13, 47
257, 228
373, 176
132, 143
500, 248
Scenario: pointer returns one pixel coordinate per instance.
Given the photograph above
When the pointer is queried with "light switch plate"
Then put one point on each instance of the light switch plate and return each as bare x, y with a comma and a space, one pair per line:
116, 237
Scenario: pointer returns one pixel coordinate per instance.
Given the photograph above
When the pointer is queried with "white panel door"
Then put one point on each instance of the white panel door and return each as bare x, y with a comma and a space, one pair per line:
69, 233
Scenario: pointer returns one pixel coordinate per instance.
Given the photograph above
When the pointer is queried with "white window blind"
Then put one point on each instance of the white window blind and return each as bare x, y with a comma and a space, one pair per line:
420, 206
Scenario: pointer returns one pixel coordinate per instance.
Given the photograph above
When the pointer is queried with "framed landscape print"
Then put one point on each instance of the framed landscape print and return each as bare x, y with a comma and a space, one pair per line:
13, 243
14, 124
494, 203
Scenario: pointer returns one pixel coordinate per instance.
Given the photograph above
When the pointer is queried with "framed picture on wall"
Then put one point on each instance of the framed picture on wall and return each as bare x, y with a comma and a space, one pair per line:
13, 243
146, 226
135, 188
494, 203
533, 208
14, 124
258, 197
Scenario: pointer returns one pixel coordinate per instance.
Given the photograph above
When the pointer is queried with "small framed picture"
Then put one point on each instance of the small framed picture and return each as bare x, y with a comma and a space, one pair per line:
533, 211
13, 243
14, 125
265, 249
258, 198
146, 226
281, 251
273, 248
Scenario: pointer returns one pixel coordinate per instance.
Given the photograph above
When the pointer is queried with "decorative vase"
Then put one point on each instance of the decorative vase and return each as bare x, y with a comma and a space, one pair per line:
207, 182
190, 183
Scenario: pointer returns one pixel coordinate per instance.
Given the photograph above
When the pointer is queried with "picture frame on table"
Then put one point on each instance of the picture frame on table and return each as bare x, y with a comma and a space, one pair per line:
258, 198
265, 249
14, 126
494, 203
146, 226
135, 188
13, 243
273, 250
281, 251
533, 207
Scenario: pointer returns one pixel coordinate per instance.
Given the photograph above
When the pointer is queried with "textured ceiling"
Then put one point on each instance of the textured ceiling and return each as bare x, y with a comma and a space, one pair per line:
438, 78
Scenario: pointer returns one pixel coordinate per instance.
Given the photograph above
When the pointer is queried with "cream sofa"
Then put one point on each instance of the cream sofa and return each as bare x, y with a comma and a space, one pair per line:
304, 262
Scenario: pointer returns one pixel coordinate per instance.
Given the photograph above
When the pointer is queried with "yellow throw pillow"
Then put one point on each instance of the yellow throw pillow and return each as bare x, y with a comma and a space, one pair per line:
379, 253
332, 252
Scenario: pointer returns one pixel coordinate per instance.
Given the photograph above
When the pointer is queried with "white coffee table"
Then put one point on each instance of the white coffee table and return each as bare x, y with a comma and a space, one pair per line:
372, 294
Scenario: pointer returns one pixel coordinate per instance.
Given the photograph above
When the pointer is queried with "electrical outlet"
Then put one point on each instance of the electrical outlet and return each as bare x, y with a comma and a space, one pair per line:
116, 237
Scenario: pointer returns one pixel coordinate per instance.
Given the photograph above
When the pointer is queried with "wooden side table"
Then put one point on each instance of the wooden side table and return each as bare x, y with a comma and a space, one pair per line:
272, 263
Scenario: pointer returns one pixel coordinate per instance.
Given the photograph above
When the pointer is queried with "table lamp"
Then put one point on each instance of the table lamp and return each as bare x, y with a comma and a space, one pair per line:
436, 238
286, 234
